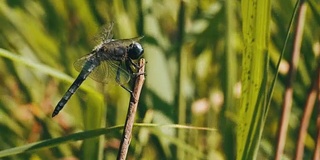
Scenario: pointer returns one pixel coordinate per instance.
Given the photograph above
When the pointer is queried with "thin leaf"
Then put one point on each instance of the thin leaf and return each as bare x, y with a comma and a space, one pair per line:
256, 17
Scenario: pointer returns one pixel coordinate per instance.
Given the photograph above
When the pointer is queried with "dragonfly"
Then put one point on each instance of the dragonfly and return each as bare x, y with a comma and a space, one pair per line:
112, 60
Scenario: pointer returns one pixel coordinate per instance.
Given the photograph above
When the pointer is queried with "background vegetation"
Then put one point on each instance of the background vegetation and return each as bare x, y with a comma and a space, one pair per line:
194, 53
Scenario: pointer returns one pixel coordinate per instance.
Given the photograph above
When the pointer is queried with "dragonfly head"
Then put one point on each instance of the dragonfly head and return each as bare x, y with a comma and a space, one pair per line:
135, 50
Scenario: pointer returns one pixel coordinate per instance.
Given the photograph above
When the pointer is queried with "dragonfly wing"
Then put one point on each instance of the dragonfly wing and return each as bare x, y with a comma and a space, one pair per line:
79, 63
117, 73
127, 42
98, 73
109, 71
105, 33
101, 73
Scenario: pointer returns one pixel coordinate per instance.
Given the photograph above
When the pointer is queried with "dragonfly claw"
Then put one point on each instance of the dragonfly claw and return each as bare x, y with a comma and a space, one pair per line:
139, 74
127, 89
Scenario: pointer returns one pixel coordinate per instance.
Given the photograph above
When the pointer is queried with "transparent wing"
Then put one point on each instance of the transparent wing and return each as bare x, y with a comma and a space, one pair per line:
79, 63
117, 73
105, 33
98, 74
107, 72
127, 42
110, 72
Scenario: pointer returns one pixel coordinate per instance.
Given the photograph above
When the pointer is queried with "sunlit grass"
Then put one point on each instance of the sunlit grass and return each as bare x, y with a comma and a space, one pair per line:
194, 52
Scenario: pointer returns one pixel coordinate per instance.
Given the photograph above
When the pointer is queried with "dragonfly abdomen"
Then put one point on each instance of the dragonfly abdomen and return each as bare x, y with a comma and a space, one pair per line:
86, 70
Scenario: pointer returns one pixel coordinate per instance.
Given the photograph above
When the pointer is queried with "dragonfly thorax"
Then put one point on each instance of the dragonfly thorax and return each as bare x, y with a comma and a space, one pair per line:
135, 50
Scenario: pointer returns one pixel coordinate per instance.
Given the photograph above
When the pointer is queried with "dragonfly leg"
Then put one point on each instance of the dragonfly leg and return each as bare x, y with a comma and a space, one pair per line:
139, 74
127, 89
136, 66
124, 87
131, 93
119, 82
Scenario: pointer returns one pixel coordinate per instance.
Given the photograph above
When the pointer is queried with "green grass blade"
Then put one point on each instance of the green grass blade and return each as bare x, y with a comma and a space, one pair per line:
98, 132
94, 115
256, 17
42, 68
273, 83
55, 142
96, 105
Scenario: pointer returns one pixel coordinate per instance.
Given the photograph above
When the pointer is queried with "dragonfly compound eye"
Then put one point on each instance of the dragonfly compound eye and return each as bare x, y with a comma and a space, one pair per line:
135, 50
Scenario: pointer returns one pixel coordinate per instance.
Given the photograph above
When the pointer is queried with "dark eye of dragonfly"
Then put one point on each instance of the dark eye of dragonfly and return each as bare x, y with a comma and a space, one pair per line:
135, 50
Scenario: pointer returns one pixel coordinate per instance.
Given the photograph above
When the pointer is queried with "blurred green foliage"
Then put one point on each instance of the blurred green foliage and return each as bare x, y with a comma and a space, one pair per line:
193, 49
